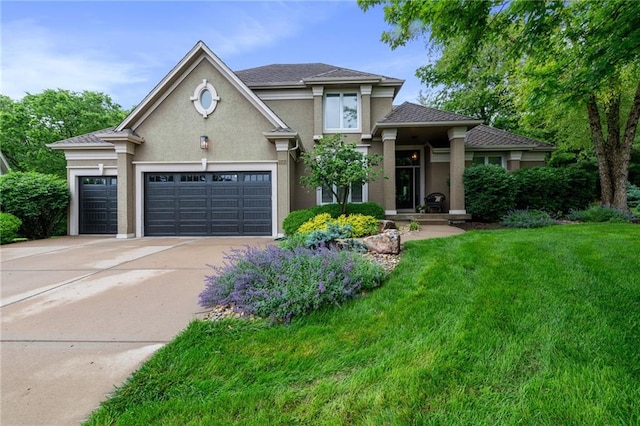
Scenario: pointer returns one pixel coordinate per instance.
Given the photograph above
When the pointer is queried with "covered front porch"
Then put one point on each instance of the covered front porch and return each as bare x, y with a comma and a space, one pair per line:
425, 150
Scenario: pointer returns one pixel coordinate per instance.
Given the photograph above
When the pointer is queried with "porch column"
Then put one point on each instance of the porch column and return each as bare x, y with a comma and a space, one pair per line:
389, 165
365, 101
126, 189
284, 182
457, 136
318, 125
513, 160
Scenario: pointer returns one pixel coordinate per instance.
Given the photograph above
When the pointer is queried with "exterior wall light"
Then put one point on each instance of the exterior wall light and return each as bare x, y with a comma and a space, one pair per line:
204, 142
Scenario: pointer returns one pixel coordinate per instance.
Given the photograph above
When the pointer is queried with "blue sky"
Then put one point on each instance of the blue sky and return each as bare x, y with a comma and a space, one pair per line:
124, 48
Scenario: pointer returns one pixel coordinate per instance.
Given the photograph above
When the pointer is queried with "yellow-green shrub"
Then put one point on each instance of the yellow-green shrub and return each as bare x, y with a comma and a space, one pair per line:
362, 225
317, 223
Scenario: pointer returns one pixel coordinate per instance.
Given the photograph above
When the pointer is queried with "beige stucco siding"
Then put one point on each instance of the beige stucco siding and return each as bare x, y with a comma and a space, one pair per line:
172, 132
376, 188
379, 108
297, 113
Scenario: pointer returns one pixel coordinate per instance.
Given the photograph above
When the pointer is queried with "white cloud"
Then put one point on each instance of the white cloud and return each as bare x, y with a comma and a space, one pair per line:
34, 59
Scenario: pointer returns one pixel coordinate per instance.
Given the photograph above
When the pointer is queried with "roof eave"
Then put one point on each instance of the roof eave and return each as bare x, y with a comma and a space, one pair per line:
468, 123
67, 146
508, 148
120, 137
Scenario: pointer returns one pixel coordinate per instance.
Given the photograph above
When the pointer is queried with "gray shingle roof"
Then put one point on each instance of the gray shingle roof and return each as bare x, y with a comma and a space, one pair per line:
413, 113
486, 136
290, 74
92, 138
86, 139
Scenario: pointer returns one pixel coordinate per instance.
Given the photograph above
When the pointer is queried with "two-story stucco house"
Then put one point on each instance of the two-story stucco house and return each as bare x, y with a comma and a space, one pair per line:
211, 151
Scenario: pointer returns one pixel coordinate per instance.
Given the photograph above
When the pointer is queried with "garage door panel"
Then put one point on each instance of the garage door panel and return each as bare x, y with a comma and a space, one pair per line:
222, 204
256, 216
98, 205
223, 190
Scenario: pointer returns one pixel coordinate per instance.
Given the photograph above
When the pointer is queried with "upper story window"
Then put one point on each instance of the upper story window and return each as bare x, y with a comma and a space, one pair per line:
341, 111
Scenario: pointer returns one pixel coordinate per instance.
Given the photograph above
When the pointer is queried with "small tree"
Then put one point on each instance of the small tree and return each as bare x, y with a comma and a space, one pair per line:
336, 165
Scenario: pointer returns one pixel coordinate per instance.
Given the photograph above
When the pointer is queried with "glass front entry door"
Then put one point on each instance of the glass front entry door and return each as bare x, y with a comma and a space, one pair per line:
407, 180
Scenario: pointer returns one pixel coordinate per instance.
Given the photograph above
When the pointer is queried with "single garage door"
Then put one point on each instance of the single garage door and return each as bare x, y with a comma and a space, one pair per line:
218, 204
98, 205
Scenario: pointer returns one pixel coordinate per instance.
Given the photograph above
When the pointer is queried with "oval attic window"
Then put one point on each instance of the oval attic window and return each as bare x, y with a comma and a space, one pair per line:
205, 98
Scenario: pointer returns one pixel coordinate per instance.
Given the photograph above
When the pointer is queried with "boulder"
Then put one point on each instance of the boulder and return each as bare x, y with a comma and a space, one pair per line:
386, 224
387, 242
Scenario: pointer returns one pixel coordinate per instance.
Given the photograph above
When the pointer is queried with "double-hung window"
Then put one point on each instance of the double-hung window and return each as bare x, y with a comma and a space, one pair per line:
357, 193
488, 159
341, 111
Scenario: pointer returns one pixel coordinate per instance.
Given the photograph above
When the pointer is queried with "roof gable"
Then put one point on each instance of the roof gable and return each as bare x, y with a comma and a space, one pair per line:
200, 52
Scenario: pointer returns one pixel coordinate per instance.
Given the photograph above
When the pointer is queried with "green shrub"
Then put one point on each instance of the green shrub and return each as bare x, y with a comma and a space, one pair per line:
539, 188
581, 187
600, 214
633, 196
366, 209
554, 190
9, 225
490, 192
527, 219
295, 219
40, 201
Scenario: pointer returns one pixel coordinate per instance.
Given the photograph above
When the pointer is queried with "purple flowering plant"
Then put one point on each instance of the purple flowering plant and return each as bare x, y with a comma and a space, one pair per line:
282, 283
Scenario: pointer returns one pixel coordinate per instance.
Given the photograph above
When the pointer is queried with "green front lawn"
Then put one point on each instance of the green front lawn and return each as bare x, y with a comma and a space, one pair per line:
534, 326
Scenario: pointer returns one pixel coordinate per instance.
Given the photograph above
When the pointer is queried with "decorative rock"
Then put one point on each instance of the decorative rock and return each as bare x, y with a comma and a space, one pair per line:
386, 224
388, 242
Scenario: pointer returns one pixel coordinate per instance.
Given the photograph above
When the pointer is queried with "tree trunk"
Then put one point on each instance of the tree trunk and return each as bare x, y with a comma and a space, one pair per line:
614, 153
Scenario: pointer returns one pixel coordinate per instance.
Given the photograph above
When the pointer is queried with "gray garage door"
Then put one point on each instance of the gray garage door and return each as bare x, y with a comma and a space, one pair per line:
98, 205
219, 204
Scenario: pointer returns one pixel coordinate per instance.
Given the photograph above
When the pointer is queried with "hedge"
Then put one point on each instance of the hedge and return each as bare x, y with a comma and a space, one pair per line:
40, 201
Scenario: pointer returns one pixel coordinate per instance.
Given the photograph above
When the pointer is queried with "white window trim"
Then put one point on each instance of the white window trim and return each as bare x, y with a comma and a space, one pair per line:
205, 112
503, 161
357, 129
365, 196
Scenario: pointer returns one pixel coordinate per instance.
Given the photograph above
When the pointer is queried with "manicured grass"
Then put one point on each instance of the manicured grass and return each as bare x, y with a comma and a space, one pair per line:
534, 326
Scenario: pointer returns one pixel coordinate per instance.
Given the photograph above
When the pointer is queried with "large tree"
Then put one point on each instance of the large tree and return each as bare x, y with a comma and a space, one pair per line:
28, 125
578, 53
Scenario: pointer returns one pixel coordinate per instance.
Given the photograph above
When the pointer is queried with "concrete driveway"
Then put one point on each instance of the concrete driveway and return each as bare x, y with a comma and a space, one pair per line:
80, 314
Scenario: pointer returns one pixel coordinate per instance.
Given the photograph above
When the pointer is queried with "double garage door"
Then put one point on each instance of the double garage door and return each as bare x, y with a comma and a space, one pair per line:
218, 204
185, 204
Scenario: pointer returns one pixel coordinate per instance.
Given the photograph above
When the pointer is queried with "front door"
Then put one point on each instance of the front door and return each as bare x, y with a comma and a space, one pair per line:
407, 180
